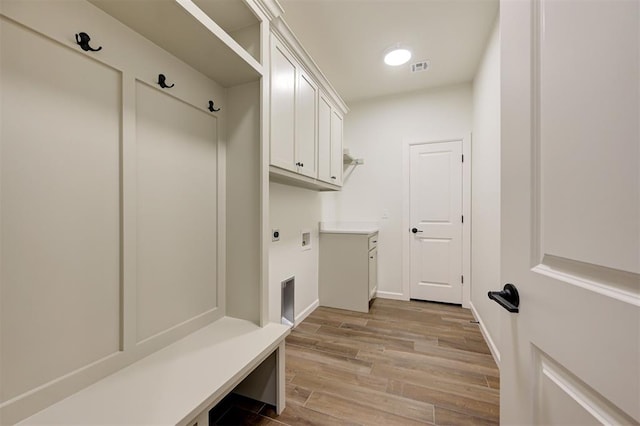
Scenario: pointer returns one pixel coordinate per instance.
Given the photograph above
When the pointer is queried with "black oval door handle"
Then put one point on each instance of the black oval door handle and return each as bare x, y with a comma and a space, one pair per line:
415, 230
508, 298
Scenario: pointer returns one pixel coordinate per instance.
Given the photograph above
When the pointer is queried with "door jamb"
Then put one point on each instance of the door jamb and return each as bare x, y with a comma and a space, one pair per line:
466, 211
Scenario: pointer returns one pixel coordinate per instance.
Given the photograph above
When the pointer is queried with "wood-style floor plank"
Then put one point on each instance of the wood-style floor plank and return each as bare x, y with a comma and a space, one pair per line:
402, 363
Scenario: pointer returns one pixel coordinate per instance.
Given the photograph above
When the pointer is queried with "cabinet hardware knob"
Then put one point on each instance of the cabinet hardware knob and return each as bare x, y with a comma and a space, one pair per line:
333, 177
415, 230
82, 40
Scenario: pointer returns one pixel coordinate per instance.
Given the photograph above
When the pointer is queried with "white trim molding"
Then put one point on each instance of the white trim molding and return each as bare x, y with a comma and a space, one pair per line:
466, 211
306, 312
487, 337
391, 295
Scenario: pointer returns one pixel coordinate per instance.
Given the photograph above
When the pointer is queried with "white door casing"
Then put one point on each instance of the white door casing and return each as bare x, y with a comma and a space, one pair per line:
570, 212
435, 192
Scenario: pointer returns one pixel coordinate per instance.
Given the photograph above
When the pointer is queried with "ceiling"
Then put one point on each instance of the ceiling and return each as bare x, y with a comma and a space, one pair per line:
348, 38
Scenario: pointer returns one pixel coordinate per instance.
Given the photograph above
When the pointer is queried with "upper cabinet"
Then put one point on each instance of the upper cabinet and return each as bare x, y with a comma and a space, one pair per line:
306, 118
329, 143
283, 89
336, 147
294, 98
306, 125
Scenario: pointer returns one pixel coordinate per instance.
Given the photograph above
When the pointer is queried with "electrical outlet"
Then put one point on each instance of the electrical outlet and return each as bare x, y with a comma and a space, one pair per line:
275, 235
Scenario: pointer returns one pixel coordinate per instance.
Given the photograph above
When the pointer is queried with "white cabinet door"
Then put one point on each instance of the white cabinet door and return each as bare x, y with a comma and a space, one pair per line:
305, 125
283, 84
373, 272
324, 140
336, 148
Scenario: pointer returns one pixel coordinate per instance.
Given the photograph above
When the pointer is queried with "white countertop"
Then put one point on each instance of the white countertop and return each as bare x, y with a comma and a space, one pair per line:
366, 228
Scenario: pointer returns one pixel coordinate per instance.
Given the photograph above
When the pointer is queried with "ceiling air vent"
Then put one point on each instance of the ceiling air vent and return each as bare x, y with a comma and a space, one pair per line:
420, 66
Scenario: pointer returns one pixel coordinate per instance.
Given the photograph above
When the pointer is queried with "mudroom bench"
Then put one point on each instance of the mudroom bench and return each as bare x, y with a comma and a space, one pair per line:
179, 384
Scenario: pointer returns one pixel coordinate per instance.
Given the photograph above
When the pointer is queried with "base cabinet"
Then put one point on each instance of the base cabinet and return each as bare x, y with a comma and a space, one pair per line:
348, 270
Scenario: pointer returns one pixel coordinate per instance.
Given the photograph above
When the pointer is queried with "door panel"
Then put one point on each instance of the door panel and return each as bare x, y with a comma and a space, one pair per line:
177, 211
583, 225
569, 215
324, 141
60, 210
433, 174
336, 148
306, 104
373, 272
283, 82
436, 212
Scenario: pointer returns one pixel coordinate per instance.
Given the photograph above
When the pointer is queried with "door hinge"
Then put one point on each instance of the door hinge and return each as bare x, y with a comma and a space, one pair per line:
462, 279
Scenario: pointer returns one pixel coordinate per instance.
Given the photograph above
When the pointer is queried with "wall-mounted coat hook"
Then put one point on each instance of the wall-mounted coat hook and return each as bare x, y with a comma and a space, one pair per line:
211, 108
162, 82
83, 39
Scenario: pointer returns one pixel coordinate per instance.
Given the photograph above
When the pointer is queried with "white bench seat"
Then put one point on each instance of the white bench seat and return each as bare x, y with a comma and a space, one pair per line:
178, 384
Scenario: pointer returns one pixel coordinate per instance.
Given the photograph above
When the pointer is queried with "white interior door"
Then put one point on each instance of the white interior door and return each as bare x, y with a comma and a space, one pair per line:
435, 181
570, 212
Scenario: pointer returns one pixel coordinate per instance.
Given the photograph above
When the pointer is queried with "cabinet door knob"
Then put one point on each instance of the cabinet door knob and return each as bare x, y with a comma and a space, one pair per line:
333, 177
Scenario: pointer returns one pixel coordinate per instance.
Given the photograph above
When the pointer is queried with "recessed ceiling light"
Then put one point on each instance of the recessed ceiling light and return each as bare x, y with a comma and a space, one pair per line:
397, 55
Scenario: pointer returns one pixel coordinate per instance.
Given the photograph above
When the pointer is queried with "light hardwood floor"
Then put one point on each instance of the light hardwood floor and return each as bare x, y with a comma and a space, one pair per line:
403, 363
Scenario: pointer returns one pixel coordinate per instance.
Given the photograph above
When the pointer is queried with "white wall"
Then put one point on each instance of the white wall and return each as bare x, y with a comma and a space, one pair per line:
375, 130
485, 197
292, 210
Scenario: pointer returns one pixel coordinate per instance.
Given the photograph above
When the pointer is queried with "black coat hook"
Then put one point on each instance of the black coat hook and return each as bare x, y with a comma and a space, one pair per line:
162, 81
211, 108
83, 39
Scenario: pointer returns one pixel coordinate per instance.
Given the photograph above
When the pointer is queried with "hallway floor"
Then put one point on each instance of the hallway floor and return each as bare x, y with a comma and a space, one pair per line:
403, 363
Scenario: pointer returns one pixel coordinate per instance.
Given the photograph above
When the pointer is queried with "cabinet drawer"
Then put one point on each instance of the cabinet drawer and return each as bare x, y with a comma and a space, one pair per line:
373, 241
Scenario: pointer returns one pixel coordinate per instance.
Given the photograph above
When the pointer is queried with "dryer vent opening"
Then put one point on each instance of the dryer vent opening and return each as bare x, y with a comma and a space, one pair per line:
288, 315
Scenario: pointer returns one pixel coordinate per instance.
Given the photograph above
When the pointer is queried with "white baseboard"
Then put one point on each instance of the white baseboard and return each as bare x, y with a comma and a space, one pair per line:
390, 295
487, 337
305, 313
